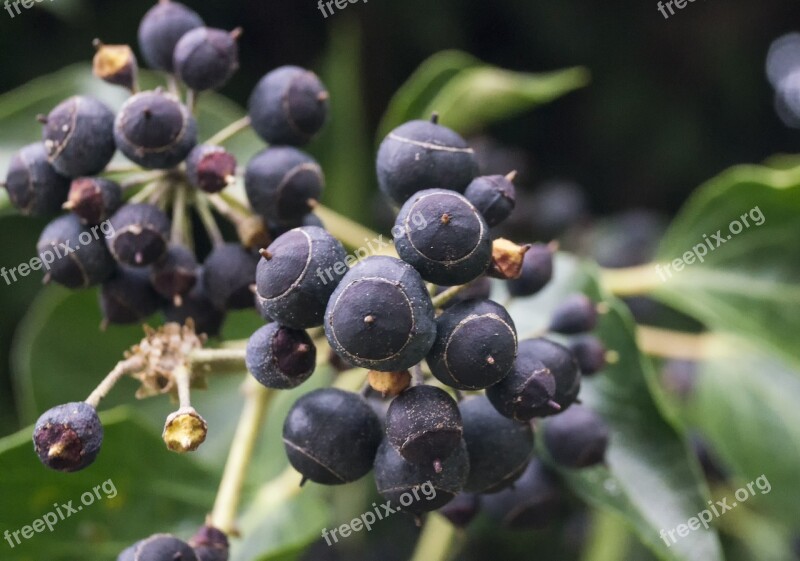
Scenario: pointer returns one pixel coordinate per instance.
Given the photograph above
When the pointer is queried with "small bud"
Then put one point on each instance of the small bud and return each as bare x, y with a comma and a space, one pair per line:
389, 384
185, 430
115, 64
507, 259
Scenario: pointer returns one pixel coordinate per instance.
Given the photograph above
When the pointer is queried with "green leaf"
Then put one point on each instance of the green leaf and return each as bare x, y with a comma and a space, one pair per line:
650, 480
749, 283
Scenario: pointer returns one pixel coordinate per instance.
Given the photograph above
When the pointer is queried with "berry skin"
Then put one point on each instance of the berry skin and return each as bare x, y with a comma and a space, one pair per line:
68, 437
452, 246
576, 314
476, 343
83, 264
197, 306
420, 155
462, 509
297, 274
424, 425
331, 436
210, 168
531, 503
289, 106
160, 30
94, 199
229, 272
34, 186
537, 271
210, 544
577, 438
155, 130
206, 58
280, 357
128, 297
544, 380
283, 184
499, 448
590, 353
79, 136
163, 547
494, 196
175, 274
380, 317
397, 478
129, 553
141, 234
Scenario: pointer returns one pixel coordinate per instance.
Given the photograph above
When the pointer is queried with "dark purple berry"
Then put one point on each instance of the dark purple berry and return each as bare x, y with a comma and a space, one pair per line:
297, 274
331, 436
229, 272
576, 438
74, 255
499, 448
590, 352
34, 186
128, 297
532, 503
462, 509
175, 273
197, 306
423, 155
163, 547
280, 357
129, 553
537, 271
155, 130
210, 168
79, 136
160, 30
141, 234
94, 199
210, 544
68, 437
206, 58
289, 106
283, 184
443, 236
381, 317
494, 196
476, 343
576, 314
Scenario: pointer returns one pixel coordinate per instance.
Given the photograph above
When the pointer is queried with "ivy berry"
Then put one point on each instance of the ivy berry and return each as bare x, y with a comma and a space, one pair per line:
68, 437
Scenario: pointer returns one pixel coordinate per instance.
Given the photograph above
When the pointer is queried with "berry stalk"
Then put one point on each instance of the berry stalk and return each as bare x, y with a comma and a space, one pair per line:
122, 369
230, 131
437, 542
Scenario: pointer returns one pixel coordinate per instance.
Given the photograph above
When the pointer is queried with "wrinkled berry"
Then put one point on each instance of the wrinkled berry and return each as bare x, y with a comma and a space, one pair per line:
141, 234
160, 30
68, 437
206, 58
34, 186
280, 357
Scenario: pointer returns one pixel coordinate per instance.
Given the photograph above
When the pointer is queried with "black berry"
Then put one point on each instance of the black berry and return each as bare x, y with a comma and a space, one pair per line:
163, 547
289, 106
128, 297
197, 306
79, 136
422, 155
210, 168
494, 196
210, 544
68, 437
141, 234
175, 273
280, 357
577, 438
476, 343
443, 236
537, 271
576, 314
34, 186
381, 317
94, 199
229, 271
206, 58
532, 503
590, 353
331, 436
161, 29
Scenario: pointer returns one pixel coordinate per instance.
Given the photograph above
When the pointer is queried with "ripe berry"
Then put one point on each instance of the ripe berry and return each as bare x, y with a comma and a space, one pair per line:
283, 184
280, 357
128, 297
34, 186
155, 130
479, 289
494, 196
499, 448
129, 553
331, 436
537, 271
289, 106
297, 274
577, 438
206, 58
93, 199
420, 155
80, 257
462, 509
229, 272
576, 314
590, 353
210, 544
544, 380
160, 30
141, 234
210, 168
418, 487
452, 246
476, 343
68, 437
197, 306
79, 136
163, 547
424, 424
381, 317
175, 273
531, 503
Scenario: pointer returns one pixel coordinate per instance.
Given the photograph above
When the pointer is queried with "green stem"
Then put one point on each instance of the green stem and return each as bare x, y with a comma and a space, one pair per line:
447, 295
217, 361
230, 131
349, 232
437, 540
207, 218
179, 226
140, 178
631, 281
